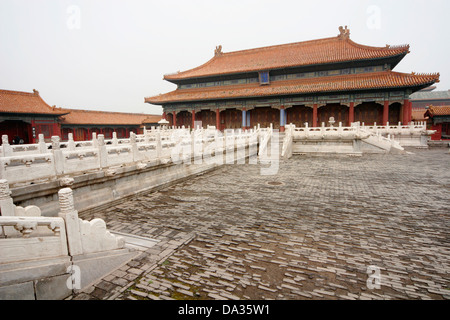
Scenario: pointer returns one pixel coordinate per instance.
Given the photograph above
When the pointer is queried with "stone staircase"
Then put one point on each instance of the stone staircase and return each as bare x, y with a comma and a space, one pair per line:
352, 141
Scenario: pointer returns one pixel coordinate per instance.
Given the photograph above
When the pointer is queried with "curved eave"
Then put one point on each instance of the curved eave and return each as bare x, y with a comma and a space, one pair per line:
34, 113
394, 61
295, 55
386, 80
99, 124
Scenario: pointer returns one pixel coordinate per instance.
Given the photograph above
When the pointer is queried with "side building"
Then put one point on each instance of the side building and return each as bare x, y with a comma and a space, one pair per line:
429, 96
439, 120
82, 123
303, 82
25, 115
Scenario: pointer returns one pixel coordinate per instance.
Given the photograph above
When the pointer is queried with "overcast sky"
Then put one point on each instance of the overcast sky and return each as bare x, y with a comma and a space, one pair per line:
109, 54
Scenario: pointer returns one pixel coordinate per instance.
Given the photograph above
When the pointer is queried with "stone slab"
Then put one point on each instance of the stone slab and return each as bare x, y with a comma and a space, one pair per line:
20, 291
53, 288
94, 267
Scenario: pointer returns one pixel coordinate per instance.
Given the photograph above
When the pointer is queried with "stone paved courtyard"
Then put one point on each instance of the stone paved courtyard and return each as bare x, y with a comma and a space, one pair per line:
309, 232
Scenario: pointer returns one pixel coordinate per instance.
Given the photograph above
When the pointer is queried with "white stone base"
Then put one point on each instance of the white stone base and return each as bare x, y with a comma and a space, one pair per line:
40, 279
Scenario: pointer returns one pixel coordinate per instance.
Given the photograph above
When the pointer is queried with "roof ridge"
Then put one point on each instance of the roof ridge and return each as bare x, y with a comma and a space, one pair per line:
20, 92
44, 107
248, 51
434, 75
402, 47
52, 108
128, 113
189, 70
280, 45
306, 42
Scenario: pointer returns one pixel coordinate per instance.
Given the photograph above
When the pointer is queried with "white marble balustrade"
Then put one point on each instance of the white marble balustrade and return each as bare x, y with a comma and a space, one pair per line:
26, 235
44, 161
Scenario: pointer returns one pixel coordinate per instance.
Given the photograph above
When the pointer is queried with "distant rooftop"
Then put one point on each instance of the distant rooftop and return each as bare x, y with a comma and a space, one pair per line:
26, 102
78, 116
430, 95
32, 103
438, 111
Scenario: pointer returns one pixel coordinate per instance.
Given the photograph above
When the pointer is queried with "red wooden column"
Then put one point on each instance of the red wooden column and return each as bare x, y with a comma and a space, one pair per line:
385, 112
164, 115
405, 112
32, 138
193, 119
351, 113
314, 124
409, 110
217, 119
438, 134
56, 129
174, 118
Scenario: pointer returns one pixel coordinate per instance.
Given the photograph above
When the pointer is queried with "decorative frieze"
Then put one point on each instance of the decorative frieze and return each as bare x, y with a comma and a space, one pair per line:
265, 78
321, 100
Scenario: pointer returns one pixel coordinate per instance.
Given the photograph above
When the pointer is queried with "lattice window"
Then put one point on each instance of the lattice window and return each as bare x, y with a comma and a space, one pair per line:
44, 129
264, 77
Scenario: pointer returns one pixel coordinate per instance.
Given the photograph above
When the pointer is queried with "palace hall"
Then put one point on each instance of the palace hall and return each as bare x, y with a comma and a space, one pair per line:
25, 115
298, 83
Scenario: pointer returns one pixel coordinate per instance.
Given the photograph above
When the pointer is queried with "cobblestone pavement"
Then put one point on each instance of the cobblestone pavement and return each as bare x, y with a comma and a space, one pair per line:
309, 232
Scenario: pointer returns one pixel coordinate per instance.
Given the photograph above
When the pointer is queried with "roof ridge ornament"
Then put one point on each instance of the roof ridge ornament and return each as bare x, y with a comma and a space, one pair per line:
344, 33
218, 51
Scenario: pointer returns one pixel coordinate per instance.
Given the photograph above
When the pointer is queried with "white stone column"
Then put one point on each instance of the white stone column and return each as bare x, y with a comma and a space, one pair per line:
57, 156
114, 139
197, 149
134, 149
158, 145
103, 154
147, 134
7, 149
71, 143
42, 144
70, 216
6, 202
94, 140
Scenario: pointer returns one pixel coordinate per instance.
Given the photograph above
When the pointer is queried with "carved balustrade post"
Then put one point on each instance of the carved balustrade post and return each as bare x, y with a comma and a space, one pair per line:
6, 202
70, 216
158, 145
57, 156
7, 149
71, 143
198, 146
134, 148
114, 139
41, 144
147, 134
102, 153
94, 140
